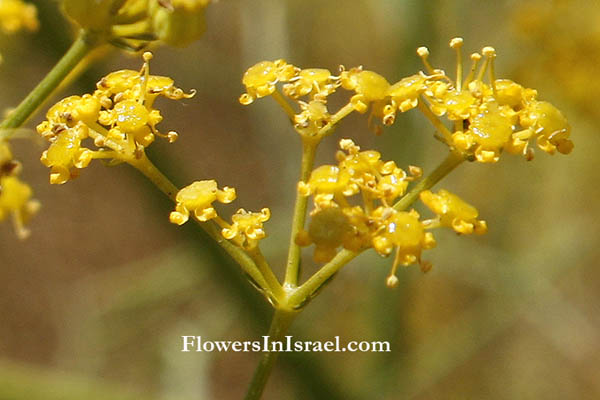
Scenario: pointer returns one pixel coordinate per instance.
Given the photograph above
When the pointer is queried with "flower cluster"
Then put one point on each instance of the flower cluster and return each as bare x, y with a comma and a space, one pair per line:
15, 195
16, 15
486, 118
246, 229
362, 177
134, 23
119, 118
491, 117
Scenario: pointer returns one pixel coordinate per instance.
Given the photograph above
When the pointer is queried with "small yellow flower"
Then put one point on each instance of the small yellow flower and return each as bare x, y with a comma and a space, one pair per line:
178, 22
369, 87
403, 96
15, 200
317, 82
404, 232
16, 15
65, 153
198, 198
453, 212
327, 180
247, 228
314, 116
119, 118
401, 230
545, 122
371, 175
261, 79
328, 229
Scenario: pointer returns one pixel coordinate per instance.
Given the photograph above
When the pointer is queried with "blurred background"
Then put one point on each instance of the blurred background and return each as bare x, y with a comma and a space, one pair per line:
93, 305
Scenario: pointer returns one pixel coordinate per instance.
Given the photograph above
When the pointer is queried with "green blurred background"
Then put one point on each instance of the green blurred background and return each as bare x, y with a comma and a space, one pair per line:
93, 304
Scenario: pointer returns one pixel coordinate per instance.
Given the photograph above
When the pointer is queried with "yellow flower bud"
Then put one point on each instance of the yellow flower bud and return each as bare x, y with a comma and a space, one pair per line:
454, 212
247, 228
15, 200
90, 14
198, 198
178, 22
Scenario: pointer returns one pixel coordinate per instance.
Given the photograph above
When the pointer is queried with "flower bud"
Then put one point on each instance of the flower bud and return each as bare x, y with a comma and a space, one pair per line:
178, 22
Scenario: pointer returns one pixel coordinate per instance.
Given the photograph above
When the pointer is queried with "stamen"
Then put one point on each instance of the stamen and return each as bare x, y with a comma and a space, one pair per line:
483, 68
147, 56
392, 280
423, 52
490, 53
456, 44
475, 58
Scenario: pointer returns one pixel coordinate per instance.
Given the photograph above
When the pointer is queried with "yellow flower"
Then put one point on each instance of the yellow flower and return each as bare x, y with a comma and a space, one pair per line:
545, 122
247, 228
403, 96
328, 229
317, 82
133, 24
369, 86
453, 212
65, 153
16, 15
178, 22
404, 232
261, 79
198, 198
314, 116
369, 174
326, 180
15, 200
118, 117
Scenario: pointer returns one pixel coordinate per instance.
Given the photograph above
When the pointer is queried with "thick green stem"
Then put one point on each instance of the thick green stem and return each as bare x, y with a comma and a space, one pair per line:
453, 160
145, 166
78, 50
292, 271
279, 327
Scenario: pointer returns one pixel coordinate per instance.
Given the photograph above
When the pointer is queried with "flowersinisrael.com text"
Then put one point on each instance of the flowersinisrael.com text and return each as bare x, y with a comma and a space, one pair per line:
288, 344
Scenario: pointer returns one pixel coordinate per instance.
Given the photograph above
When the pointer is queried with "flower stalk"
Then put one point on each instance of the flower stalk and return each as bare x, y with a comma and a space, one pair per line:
149, 170
292, 272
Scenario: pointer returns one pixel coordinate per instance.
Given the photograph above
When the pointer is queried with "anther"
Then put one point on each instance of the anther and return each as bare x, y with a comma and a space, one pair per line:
172, 136
392, 281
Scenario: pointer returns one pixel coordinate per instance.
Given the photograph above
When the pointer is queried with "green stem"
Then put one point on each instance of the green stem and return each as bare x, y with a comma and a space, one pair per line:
292, 271
78, 50
279, 327
267, 272
283, 103
301, 295
146, 167
453, 160
435, 121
